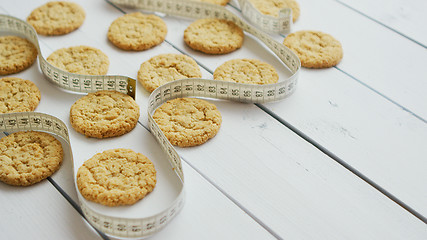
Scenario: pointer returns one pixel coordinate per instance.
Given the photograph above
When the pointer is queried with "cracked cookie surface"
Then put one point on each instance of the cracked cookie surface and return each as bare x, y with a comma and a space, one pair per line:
18, 95
188, 122
137, 31
272, 7
116, 177
29, 157
57, 18
16, 54
213, 36
165, 68
104, 114
81, 60
250, 71
315, 49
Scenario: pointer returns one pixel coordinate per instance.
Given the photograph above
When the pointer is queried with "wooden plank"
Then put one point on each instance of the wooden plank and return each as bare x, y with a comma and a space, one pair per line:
376, 56
405, 17
40, 212
298, 193
381, 140
57, 102
230, 145
379, 58
207, 214
365, 131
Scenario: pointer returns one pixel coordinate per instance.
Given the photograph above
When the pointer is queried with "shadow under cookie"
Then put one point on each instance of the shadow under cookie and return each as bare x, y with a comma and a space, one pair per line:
188, 122
104, 114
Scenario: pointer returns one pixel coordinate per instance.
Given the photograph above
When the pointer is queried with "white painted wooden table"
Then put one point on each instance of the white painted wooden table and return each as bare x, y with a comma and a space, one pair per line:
345, 157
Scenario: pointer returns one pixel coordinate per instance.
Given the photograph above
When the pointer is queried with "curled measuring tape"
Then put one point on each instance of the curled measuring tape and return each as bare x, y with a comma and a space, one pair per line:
196, 87
117, 226
25, 121
280, 24
219, 89
138, 227
63, 79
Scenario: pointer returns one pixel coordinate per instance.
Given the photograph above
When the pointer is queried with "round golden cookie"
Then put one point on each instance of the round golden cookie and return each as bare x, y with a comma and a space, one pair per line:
315, 49
104, 114
80, 59
137, 31
18, 95
116, 177
16, 54
272, 7
250, 71
213, 36
217, 2
29, 157
56, 18
188, 122
165, 68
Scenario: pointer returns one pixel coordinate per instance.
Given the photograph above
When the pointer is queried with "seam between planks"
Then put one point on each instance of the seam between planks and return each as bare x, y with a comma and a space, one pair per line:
344, 164
234, 201
382, 95
310, 140
68, 198
75, 206
333, 156
381, 23
360, 81
228, 196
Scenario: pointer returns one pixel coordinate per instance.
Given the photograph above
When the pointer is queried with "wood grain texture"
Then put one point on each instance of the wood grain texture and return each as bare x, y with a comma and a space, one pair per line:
296, 190
378, 57
37, 212
254, 163
236, 143
405, 17
364, 129
377, 138
226, 219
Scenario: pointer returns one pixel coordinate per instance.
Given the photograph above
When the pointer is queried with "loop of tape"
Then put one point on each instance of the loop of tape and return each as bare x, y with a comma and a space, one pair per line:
220, 89
34, 121
280, 24
63, 79
146, 226
114, 226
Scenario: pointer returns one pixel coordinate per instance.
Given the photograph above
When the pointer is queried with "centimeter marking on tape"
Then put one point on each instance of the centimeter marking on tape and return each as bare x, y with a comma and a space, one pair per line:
143, 227
63, 79
116, 226
133, 228
218, 89
25, 121
280, 24
34, 121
